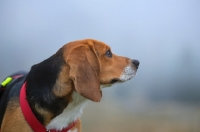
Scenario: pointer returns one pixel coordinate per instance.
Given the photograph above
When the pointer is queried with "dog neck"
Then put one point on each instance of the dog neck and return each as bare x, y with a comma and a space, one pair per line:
51, 94
70, 114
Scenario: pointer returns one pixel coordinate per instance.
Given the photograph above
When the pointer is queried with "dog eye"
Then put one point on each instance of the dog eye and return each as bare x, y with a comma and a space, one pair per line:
108, 53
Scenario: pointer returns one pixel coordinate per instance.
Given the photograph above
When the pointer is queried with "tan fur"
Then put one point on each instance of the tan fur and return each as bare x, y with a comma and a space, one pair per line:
14, 119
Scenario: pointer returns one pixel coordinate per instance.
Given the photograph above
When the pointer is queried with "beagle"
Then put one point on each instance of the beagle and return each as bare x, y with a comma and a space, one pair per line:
56, 89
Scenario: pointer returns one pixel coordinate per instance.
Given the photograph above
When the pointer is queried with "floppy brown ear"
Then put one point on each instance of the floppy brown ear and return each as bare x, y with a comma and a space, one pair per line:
84, 71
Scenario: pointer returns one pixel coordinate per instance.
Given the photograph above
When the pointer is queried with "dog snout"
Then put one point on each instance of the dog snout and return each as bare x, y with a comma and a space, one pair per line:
136, 63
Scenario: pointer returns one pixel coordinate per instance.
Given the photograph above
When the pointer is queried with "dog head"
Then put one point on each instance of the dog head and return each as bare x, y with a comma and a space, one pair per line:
92, 64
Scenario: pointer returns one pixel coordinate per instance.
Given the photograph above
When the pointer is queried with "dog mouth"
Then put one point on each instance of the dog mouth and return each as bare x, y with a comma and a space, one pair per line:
123, 78
118, 80
128, 74
115, 80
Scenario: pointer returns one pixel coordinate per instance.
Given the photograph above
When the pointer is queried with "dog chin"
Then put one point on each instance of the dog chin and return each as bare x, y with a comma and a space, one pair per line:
105, 86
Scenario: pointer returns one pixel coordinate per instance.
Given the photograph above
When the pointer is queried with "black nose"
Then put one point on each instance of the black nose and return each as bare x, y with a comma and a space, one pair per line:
136, 63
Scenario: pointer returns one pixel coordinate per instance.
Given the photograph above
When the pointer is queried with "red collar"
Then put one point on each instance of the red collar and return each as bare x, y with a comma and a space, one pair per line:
30, 117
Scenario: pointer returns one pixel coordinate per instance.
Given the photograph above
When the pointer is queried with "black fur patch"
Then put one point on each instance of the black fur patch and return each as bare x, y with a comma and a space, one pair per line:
40, 81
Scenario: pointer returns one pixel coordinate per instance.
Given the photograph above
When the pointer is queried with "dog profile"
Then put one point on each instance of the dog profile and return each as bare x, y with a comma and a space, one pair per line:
57, 89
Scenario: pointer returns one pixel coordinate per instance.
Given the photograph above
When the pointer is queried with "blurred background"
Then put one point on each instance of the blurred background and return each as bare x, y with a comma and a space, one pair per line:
164, 35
